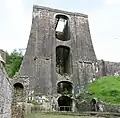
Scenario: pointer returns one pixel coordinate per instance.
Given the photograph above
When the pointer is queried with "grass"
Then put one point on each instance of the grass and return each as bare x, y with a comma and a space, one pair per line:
106, 89
45, 115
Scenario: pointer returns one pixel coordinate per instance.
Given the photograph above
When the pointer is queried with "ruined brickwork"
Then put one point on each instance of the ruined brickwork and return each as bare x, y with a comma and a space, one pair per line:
60, 57
39, 62
107, 68
5, 93
57, 61
21, 88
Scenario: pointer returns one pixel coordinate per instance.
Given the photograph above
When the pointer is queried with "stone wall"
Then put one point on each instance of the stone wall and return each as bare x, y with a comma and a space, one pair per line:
100, 107
107, 68
21, 82
107, 107
5, 94
39, 62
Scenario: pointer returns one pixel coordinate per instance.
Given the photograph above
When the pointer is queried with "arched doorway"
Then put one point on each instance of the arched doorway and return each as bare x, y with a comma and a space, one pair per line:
65, 103
18, 92
93, 104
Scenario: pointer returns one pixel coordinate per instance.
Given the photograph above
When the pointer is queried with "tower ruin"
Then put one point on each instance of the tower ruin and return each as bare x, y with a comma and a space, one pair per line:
59, 53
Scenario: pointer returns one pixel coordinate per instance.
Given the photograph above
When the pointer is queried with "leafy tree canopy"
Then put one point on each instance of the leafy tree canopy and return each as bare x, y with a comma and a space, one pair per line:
13, 62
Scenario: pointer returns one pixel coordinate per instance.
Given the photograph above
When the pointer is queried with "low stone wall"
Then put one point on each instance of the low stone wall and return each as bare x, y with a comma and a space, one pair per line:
107, 107
5, 94
107, 68
100, 107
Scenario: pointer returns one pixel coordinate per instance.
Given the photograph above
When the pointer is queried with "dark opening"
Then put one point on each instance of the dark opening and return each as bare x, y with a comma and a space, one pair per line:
63, 59
65, 103
93, 104
18, 85
64, 87
62, 27
18, 91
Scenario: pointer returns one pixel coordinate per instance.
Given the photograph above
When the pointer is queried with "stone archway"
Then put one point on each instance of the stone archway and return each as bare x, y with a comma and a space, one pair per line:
19, 92
93, 104
65, 103
64, 87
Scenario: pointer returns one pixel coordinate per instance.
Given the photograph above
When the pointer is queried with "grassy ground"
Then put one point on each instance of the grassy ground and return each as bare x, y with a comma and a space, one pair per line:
106, 89
45, 115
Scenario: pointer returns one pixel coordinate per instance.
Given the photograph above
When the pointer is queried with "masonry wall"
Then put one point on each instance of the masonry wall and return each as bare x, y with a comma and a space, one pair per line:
5, 94
39, 62
107, 68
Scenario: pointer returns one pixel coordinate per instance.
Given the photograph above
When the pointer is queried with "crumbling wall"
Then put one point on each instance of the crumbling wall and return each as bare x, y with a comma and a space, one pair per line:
21, 88
107, 68
20, 96
107, 107
5, 94
39, 62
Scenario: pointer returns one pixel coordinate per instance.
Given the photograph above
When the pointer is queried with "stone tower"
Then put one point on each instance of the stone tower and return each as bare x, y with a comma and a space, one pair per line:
59, 50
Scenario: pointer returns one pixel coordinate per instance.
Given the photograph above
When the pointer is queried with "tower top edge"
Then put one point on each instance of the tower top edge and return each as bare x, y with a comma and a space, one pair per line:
58, 11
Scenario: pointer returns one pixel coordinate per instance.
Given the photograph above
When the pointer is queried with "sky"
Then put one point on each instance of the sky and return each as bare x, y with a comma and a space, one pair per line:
103, 16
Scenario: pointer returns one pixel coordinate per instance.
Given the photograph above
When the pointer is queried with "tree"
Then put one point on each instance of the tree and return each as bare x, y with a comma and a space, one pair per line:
13, 62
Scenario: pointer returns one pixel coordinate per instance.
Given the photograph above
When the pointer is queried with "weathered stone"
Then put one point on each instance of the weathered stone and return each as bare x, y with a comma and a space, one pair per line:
5, 94
39, 62
54, 57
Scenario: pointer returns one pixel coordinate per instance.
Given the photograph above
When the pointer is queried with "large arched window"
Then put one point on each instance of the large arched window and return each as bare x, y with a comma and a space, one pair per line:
64, 87
62, 29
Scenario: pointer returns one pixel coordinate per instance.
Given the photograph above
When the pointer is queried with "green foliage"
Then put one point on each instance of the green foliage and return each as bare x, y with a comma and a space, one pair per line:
36, 103
106, 89
13, 62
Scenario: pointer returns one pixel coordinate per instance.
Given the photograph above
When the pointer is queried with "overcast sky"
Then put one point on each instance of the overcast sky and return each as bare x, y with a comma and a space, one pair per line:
104, 21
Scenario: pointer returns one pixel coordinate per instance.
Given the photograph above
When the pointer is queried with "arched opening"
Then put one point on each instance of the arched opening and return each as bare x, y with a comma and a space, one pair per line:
65, 103
62, 30
64, 87
93, 104
18, 92
63, 60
